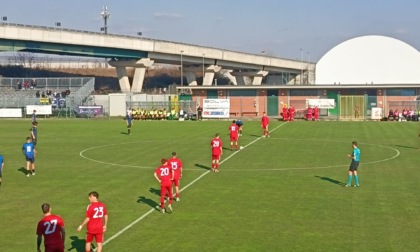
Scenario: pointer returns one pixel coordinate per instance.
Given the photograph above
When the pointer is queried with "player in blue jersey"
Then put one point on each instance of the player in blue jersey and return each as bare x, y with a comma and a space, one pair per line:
34, 116
1, 167
34, 133
240, 125
355, 159
29, 151
128, 119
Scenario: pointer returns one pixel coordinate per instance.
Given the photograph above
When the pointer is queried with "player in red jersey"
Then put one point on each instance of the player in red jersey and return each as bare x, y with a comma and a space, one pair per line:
316, 113
52, 228
176, 164
291, 113
164, 175
285, 113
96, 220
265, 121
309, 114
216, 151
234, 134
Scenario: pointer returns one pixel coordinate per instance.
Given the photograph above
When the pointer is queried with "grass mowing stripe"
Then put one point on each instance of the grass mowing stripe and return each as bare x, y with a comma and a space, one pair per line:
185, 187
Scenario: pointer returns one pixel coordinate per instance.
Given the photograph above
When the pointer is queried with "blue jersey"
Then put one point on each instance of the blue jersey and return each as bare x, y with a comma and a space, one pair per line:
239, 123
356, 154
128, 118
29, 150
33, 117
1, 164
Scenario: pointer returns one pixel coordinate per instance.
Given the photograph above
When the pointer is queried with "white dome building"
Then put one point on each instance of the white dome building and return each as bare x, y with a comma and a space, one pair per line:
369, 59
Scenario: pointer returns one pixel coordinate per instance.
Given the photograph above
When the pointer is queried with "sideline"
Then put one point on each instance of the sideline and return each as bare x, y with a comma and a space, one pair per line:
185, 187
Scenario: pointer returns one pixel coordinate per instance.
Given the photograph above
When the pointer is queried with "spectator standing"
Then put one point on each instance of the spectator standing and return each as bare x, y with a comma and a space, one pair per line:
199, 113
96, 220
52, 228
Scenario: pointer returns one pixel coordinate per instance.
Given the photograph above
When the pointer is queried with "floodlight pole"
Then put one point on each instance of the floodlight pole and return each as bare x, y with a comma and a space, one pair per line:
105, 15
182, 70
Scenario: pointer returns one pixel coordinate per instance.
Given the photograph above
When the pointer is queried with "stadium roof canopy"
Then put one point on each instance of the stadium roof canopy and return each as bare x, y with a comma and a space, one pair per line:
369, 60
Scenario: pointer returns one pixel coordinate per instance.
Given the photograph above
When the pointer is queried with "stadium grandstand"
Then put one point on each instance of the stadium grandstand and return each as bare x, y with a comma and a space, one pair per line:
61, 93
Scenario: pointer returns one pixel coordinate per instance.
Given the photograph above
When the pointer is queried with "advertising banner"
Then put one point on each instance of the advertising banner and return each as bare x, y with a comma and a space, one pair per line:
40, 109
216, 108
9, 112
321, 103
90, 110
376, 113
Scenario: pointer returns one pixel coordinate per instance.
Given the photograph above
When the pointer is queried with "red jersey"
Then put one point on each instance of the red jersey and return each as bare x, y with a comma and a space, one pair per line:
233, 129
50, 226
96, 212
265, 121
176, 165
216, 146
164, 173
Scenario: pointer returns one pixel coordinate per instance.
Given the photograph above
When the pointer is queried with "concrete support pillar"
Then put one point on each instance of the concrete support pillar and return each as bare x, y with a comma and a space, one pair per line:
258, 77
139, 73
227, 73
249, 77
123, 79
209, 74
191, 78
138, 79
242, 80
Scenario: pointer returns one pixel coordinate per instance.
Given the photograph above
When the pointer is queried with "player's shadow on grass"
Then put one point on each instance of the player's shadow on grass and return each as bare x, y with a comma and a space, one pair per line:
202, 166
77, 244
147, 201
124, 133
22, 170
331, 180
408, 147
255, 135
154, 191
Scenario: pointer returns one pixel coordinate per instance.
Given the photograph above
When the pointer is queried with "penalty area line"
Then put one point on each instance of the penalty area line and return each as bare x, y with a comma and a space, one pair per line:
185, 187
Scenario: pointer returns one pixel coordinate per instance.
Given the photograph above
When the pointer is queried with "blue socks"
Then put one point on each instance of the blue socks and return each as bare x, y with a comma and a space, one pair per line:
357, 179
350, 178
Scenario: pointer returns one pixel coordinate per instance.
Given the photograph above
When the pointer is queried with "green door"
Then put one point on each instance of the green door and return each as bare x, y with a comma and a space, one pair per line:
272, 102
332, 94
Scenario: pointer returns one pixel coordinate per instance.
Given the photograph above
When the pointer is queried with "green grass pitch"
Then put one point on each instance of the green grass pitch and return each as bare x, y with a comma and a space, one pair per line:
283, 193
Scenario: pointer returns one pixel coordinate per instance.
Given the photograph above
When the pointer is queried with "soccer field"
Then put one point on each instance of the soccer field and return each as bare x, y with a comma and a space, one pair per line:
283, 193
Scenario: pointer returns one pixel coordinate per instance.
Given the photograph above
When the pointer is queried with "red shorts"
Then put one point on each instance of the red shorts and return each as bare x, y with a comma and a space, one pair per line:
234, 138
54, 248
175, 182
98, 237
265, 127
215, 157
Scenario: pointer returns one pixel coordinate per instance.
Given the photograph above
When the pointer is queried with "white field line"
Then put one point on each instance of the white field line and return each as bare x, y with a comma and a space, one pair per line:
185, 187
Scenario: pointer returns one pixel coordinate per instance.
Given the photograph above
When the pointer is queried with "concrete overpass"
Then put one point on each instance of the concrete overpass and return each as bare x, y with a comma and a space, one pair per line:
140, 53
